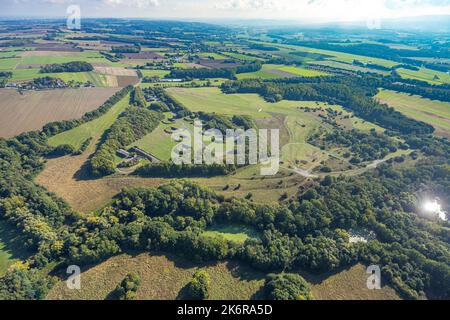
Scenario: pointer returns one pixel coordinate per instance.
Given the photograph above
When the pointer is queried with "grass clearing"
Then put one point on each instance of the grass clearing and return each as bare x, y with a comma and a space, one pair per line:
11, 247
237, 234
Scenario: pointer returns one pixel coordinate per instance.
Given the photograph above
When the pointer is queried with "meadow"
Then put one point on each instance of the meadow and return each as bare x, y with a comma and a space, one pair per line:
435, 113
276, 71
163, 277
424, 74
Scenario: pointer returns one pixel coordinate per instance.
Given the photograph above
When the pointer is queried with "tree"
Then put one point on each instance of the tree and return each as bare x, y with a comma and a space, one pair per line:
198, 288
287, 286
127, 289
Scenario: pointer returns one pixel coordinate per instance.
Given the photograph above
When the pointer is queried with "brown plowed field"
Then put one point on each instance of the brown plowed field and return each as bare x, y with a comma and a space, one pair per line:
33, 109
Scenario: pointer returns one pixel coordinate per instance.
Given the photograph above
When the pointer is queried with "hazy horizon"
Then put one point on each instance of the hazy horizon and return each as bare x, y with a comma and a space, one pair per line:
307, 11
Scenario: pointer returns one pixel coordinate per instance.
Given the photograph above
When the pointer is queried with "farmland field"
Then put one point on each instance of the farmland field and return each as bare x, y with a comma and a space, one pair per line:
92, 129
32, 110
424, 74
435, 113
274, 71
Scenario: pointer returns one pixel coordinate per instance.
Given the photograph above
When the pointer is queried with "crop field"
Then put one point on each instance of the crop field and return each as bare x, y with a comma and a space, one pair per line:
338, 56
435, 113
26, 66
33, 109
154, 73
162, 278
347, 66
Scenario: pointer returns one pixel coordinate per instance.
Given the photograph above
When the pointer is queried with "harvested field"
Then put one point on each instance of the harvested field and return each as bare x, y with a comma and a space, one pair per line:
56, 47
115, 71
33, 109
218, 64
45, 53
143, 55
28, 66
123, 81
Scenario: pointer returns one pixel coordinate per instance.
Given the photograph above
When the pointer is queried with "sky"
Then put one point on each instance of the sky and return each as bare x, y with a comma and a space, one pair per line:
302, 10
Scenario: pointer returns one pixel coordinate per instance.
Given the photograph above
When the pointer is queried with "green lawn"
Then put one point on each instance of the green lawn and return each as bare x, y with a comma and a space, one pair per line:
435, 113
237, 234
94, 128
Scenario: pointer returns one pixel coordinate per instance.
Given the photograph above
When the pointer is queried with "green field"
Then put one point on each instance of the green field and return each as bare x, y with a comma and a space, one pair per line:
276, 71
435, 113
213, 100
99, 80
11, 247
154, 73
237, 234
159, 143
93, 129
21, 74
216, 56
338, 56
347, 66
424, 74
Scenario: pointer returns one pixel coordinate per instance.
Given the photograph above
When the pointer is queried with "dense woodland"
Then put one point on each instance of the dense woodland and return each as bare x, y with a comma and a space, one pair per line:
75, 66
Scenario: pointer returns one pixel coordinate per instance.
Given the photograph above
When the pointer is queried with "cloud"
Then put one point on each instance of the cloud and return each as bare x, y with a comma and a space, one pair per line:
133, 3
